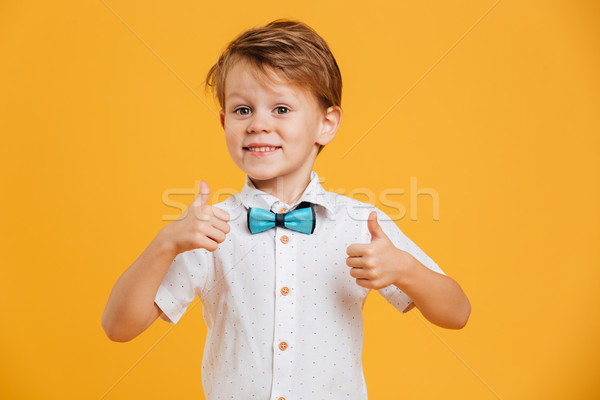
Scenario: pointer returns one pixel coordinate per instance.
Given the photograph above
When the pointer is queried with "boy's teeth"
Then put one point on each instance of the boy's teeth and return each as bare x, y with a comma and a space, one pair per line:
262, 148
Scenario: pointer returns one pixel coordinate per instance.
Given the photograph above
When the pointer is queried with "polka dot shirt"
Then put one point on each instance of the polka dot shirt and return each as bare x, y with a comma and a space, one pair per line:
283, 315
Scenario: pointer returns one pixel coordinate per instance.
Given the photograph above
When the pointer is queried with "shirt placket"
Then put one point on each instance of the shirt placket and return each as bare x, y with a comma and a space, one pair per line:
284, 344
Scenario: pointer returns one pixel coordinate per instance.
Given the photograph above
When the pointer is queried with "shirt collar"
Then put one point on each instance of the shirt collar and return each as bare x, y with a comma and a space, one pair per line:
250, 196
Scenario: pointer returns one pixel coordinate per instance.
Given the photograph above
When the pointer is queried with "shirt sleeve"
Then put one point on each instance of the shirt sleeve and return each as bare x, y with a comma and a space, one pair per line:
185, 279
392, 293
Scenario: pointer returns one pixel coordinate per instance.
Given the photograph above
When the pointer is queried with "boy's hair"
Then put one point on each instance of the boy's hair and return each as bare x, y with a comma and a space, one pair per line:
290, 48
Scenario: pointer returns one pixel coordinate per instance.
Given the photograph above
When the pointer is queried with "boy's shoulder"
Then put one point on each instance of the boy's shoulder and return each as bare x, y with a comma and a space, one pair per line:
233, 205
348, 208
355, 208
230, 203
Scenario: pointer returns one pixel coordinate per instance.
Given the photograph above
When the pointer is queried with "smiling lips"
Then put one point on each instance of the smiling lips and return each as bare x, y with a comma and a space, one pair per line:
261, 148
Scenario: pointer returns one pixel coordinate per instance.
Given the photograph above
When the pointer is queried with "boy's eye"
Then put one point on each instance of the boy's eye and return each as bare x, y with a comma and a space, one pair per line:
246, 110
243, 109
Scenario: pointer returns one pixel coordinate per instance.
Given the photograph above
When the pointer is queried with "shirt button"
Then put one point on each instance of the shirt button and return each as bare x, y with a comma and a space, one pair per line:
285, 291
282, 345
282, 210
284, 239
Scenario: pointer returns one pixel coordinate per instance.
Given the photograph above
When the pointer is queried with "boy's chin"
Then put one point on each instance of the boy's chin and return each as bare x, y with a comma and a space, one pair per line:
266, 173
261, 175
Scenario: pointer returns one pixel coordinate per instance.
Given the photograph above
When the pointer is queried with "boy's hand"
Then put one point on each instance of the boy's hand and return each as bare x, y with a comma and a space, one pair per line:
200, 227
377, 264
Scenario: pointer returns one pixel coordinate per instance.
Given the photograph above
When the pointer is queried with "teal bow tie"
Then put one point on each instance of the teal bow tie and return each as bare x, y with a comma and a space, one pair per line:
302, 219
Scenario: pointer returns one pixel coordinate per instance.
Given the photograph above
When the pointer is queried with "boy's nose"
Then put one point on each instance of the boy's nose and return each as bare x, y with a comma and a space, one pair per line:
259, 123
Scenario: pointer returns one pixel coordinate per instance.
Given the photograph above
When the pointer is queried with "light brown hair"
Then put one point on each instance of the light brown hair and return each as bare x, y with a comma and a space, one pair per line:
293, 50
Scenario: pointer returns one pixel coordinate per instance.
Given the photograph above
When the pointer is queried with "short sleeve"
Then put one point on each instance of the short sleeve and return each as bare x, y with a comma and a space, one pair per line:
184, 280
392, 293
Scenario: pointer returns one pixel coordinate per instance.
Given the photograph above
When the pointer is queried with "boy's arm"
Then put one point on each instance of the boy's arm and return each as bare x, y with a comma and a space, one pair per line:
379, 264
130, 309
439, 298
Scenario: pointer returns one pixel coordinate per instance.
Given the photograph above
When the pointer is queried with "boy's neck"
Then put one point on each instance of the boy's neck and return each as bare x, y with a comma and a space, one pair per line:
287, 189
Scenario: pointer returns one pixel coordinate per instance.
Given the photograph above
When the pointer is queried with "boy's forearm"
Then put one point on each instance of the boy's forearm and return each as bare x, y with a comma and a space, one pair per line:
131, 300
439, 298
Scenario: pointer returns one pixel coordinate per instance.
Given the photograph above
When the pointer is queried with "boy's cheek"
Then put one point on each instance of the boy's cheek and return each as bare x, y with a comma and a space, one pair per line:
233, 139
232, 129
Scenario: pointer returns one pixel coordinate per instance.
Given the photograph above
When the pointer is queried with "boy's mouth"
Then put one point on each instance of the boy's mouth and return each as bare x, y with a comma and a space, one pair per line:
261, 149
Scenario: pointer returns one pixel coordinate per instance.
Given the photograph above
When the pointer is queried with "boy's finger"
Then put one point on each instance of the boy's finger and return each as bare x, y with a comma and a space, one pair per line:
203, 194
208, 243
215, 234
359, 273
357, 249
354, 262
220, 213
221, 225
374, 227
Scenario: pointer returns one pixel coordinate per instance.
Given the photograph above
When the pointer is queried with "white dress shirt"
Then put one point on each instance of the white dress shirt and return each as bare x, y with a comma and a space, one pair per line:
283, 315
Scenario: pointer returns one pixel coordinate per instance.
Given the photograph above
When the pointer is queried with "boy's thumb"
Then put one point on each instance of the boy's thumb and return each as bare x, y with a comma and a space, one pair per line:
203, 194
374, 227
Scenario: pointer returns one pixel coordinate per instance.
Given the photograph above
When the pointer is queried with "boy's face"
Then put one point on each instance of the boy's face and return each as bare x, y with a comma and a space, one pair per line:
273, 131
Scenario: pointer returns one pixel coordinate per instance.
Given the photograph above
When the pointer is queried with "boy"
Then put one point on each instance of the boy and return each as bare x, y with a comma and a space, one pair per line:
282, 268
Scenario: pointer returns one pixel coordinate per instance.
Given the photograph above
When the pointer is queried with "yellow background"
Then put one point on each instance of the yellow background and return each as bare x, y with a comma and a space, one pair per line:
102, 110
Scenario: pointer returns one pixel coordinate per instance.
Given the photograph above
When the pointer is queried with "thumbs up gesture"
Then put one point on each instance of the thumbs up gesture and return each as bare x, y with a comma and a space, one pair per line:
201, 226
379, 263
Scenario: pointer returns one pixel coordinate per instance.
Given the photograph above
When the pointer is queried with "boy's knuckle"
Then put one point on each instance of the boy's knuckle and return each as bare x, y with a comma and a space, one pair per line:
196, 213
199, 227
203, 213
198, 238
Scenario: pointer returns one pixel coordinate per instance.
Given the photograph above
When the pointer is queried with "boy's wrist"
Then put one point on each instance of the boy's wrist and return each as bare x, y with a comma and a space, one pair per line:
164, 244
408, 270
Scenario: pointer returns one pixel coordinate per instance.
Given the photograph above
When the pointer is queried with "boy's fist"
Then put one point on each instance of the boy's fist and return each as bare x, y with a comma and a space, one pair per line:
379, 263
201, 226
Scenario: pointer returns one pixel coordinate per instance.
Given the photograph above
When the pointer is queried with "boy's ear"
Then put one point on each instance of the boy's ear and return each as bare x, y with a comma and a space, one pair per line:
331, 122
222, 118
